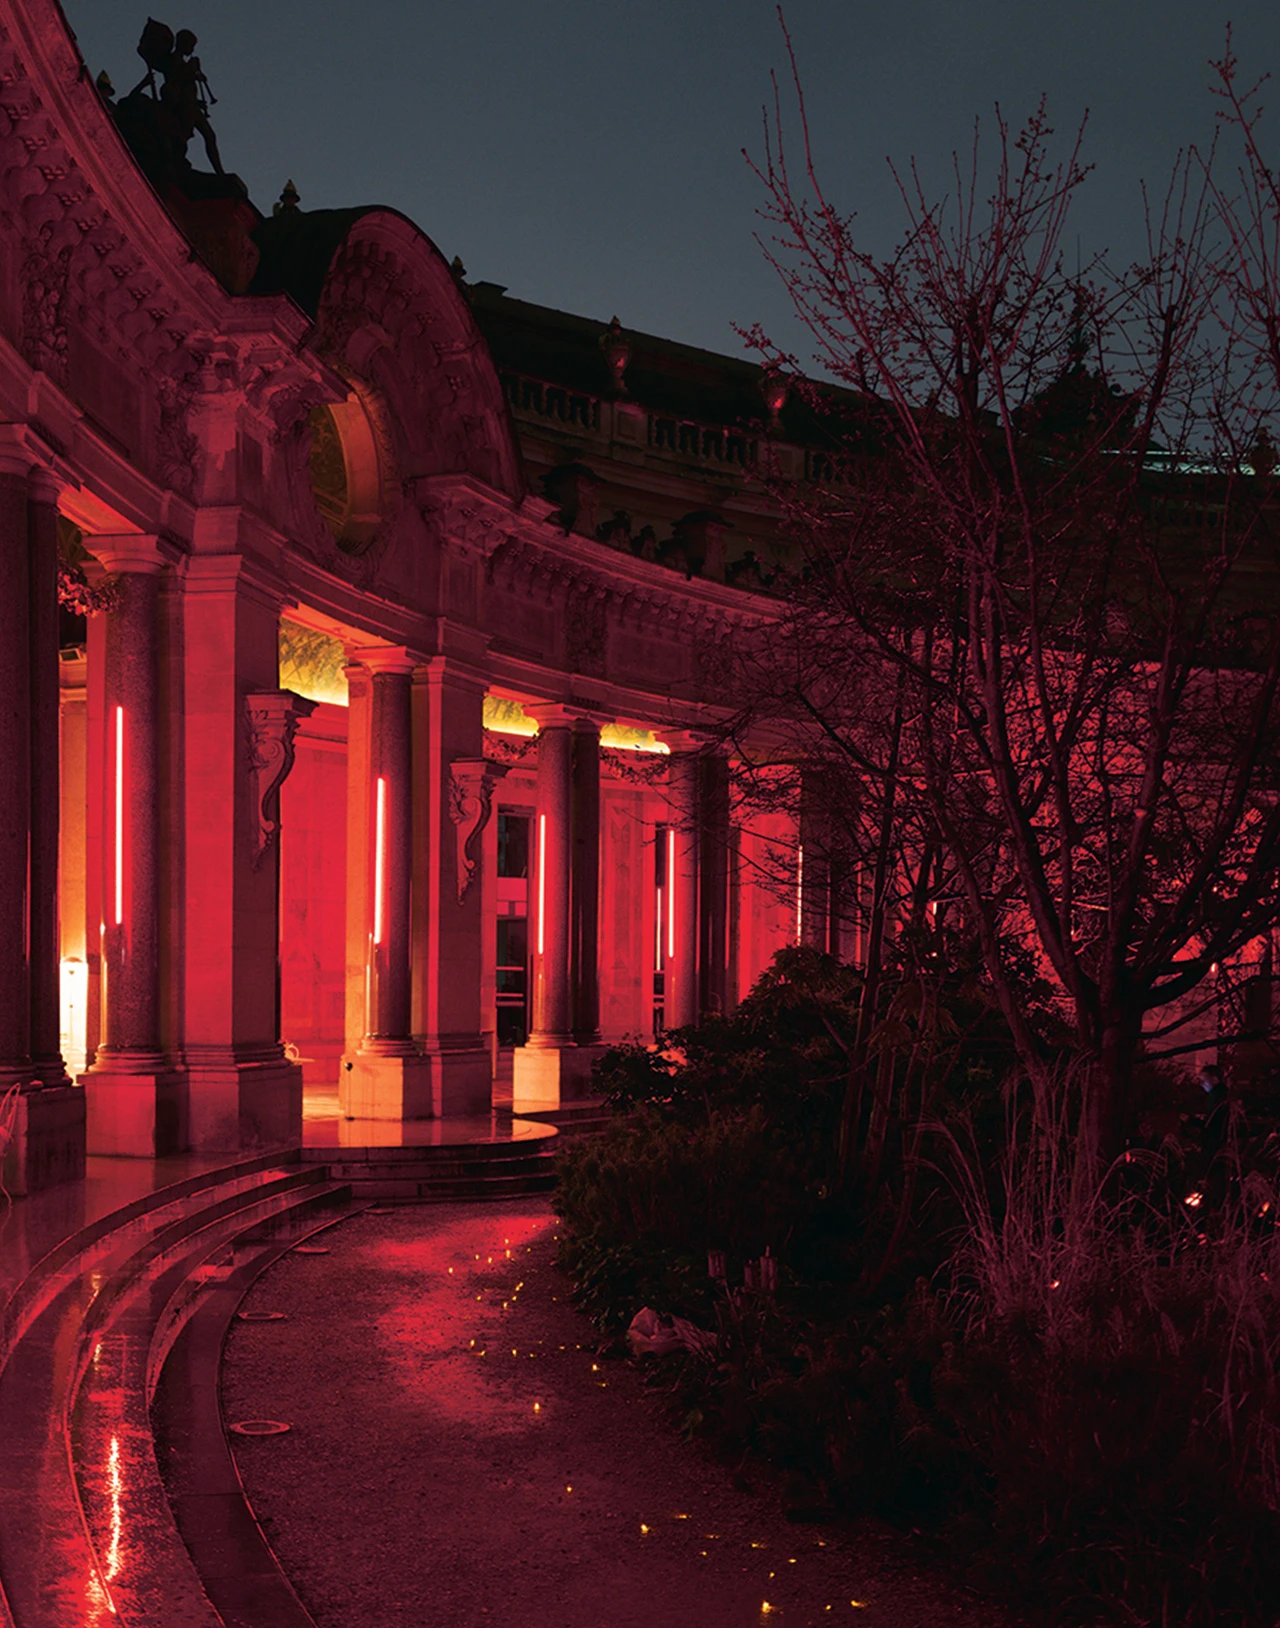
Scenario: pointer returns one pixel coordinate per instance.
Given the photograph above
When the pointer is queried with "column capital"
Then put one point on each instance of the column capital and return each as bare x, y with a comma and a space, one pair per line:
24, 451
47, 486
384, 658
558, 715
135, 553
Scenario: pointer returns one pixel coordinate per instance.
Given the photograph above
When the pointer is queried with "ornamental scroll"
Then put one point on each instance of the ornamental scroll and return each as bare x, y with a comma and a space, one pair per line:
471, 783
272, 717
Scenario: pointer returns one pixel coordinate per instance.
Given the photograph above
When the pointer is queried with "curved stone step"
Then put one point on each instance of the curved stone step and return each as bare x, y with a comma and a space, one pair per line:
113, 1455
51, 1572
237, 1568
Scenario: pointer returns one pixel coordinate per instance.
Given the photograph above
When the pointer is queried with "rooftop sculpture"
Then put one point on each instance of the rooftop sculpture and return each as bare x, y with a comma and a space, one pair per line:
157, 123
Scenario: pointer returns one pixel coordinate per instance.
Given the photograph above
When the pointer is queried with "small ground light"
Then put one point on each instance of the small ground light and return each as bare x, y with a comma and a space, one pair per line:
537, 1407
858, 1605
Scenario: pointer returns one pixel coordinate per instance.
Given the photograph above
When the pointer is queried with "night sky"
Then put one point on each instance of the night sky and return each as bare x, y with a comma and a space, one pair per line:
587, 153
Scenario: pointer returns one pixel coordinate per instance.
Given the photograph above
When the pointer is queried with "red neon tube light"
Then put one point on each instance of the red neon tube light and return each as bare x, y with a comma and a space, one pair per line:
379, 857
542, 879
671, 892
119, 833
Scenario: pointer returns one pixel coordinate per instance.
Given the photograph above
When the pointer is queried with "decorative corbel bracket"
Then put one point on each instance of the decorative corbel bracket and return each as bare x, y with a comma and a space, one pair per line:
272, 717
471, 783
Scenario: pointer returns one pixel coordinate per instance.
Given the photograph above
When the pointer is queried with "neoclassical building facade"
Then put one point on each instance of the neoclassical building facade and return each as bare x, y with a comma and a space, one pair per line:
362, 638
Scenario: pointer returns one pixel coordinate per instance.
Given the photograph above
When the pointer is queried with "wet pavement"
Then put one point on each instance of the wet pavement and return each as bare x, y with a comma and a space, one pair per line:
459, 1454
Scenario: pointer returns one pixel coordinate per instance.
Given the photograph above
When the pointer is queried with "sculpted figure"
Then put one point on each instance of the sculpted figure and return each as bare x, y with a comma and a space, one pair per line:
158, 126
186, 91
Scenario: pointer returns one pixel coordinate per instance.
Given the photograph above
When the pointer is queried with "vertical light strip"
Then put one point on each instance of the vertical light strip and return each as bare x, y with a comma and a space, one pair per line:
379, 858
119, 815
799, 895
542, 880
671, 892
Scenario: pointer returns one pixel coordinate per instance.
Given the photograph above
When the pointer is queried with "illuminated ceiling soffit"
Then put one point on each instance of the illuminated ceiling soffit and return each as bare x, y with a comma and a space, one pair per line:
312, 663
507, 717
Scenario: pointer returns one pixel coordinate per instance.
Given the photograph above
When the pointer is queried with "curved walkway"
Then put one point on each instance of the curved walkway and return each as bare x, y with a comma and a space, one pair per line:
459, 1455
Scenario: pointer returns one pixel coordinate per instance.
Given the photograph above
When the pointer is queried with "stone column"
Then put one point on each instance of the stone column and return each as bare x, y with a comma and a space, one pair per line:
228, 746
387, 1021
584, 889
46, 1051
564, 1038
386, 1075
552, 858
133, 1102
681, 991
15, 782
47, 1141
452, 805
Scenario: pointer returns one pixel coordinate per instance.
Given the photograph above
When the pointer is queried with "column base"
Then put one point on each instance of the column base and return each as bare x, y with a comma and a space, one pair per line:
546, 1077
425, 1085
48, 1142
240, 1104
139, 1113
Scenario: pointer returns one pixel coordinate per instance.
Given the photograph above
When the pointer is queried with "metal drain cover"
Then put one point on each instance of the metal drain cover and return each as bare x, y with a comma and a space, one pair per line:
260, 1427
311, 1249
261, 1316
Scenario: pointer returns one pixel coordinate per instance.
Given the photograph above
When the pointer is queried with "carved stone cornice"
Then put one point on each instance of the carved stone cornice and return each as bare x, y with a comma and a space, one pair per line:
272, 718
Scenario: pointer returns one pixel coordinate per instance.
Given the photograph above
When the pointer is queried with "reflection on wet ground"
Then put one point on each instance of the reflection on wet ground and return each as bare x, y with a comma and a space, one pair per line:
461, 1453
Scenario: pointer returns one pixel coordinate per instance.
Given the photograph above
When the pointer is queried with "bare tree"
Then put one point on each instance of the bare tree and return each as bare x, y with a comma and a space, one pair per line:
1037, 610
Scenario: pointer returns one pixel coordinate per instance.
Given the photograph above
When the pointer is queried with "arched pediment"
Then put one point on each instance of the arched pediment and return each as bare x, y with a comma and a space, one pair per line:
390, 317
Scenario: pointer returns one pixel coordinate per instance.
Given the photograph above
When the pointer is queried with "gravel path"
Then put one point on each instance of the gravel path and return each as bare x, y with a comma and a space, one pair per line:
460, 1456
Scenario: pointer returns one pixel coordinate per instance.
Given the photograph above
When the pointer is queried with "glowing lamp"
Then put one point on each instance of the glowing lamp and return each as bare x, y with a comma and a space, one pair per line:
73, 984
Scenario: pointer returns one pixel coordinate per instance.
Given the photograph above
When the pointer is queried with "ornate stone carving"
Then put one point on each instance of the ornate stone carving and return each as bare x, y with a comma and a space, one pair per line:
471, 783
77, 594
45, 274
272, 717
586, 629
177, 447
508, 750
638, 768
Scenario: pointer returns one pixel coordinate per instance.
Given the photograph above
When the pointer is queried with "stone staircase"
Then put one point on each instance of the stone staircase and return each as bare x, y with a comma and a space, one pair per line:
87, 1532
119, 1499
444, 1172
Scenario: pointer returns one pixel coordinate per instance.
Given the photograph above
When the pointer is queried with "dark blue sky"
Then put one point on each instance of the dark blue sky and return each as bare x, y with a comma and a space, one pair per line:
587, 153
